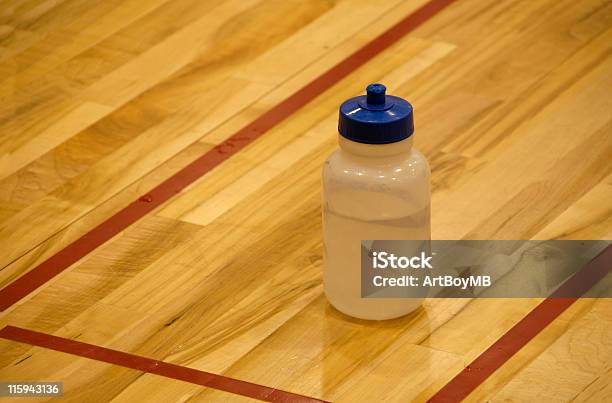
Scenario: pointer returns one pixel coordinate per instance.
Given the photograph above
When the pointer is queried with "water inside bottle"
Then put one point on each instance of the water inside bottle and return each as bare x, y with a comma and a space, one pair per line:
343, 236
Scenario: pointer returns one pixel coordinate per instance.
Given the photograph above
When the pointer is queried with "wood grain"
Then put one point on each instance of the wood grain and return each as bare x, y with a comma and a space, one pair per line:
102, 101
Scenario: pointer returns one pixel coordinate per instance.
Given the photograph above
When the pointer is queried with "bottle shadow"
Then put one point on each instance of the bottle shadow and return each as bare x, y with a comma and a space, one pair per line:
359, 353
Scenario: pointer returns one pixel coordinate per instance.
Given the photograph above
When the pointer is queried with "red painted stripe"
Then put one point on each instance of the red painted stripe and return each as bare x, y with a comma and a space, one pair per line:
151, 366
57, 263
525, 330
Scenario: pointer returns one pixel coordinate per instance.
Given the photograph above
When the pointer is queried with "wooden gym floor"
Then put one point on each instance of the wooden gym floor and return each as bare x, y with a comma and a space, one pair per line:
160, 194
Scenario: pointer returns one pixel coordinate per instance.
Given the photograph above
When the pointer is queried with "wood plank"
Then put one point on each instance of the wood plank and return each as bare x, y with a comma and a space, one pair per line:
79, 374
203, 203
143, 107
590, 217
514, 188
68, 36
13, 159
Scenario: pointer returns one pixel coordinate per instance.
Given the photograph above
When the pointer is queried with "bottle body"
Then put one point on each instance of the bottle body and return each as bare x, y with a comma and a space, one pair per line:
371, 192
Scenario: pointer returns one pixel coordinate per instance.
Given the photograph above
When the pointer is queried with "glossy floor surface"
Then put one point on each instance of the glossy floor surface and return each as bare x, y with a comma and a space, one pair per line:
102, 101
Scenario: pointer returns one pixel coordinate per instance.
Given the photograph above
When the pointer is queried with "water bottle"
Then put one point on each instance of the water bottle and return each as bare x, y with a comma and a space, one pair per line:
376, 186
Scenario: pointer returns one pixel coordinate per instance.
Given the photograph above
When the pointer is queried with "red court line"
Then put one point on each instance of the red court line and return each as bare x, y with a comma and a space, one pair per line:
525, 330
151, 366
57, 263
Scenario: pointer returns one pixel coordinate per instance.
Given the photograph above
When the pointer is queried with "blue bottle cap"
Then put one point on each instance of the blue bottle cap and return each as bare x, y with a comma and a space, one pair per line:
376, 118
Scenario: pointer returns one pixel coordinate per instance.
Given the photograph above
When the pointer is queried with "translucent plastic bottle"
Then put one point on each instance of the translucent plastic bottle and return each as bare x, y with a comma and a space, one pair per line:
375, 187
